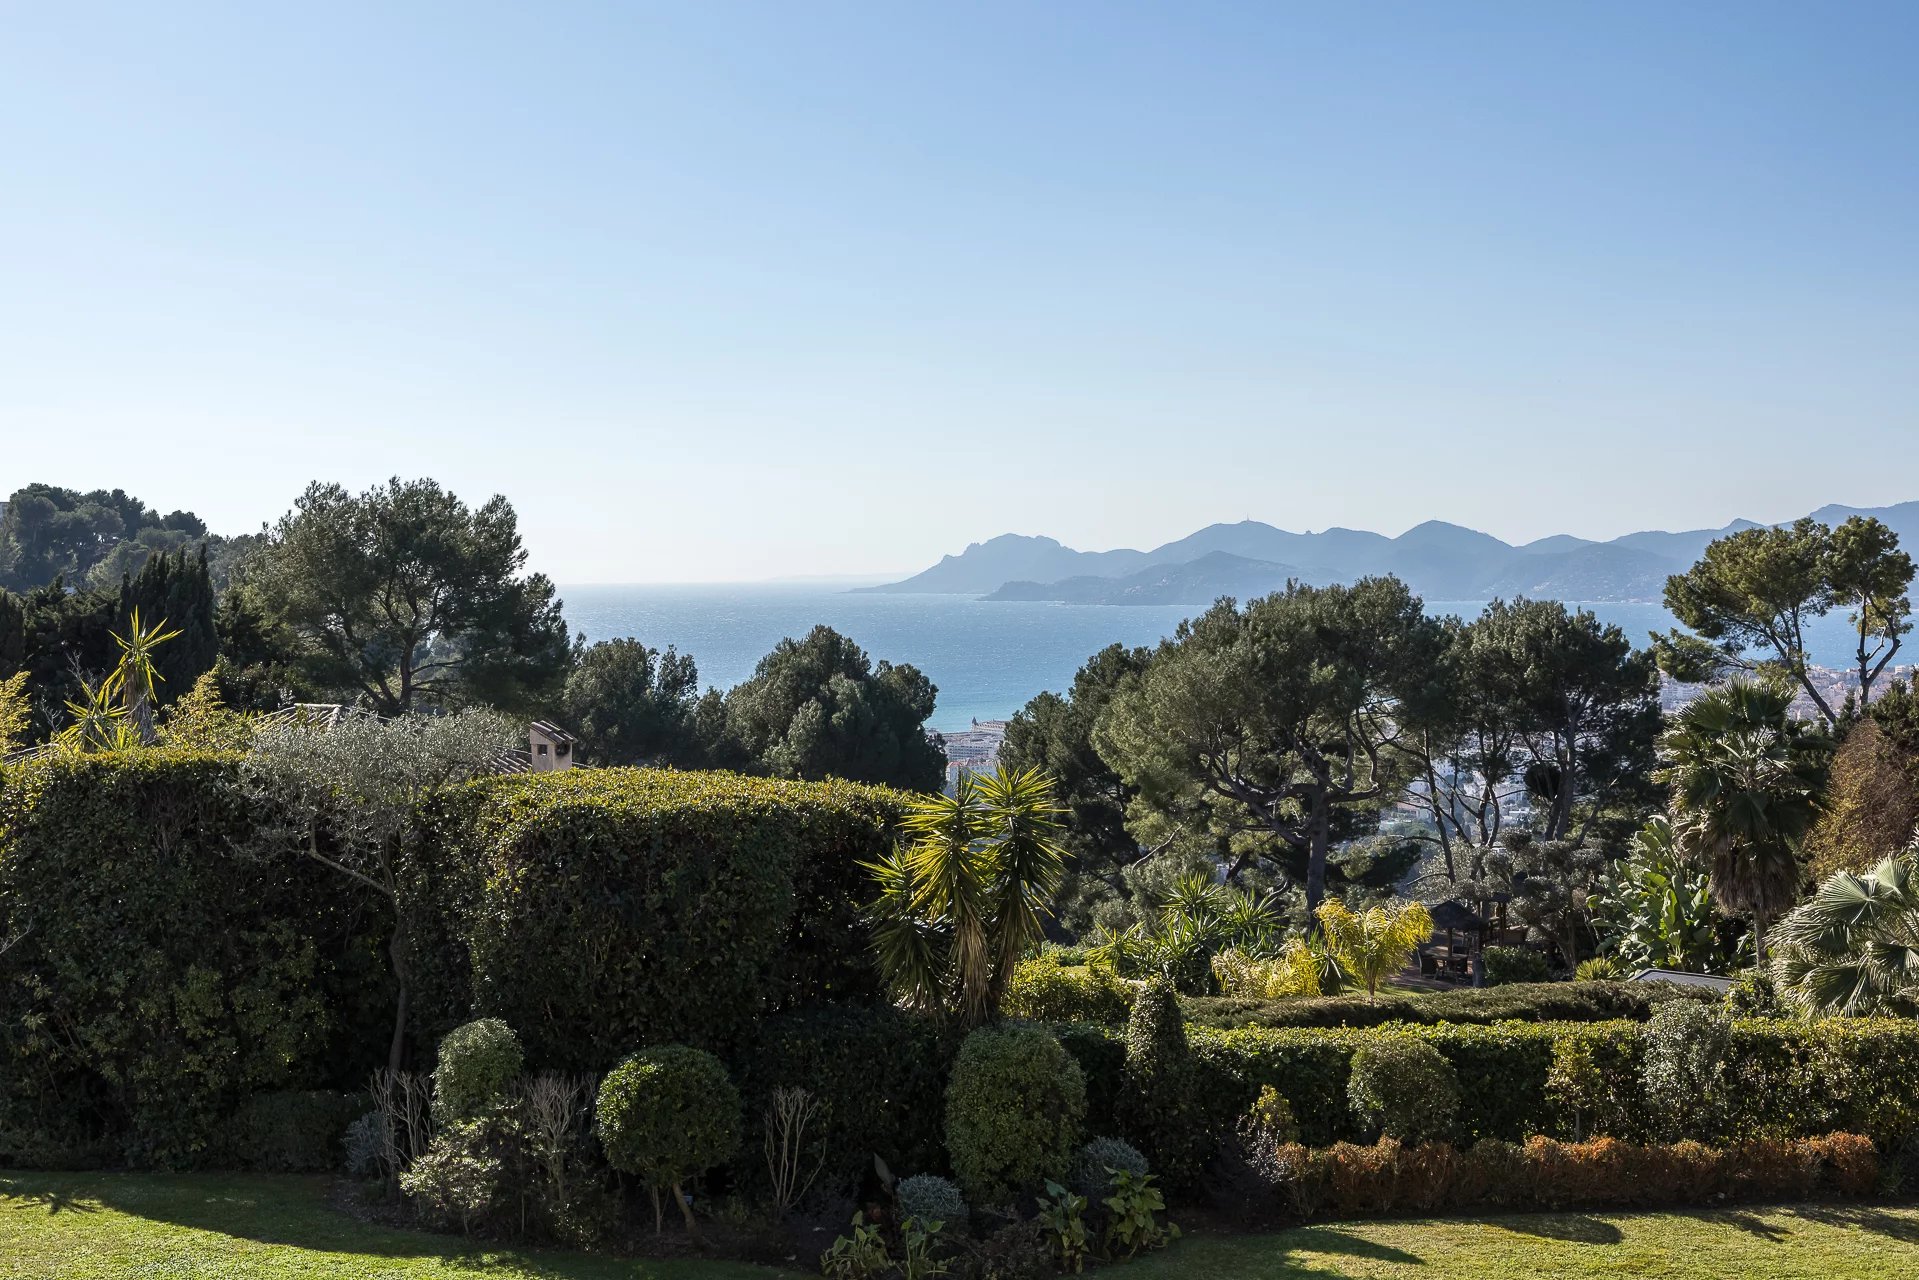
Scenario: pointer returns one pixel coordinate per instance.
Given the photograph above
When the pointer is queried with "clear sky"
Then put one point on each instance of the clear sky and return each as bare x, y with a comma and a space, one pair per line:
730, 291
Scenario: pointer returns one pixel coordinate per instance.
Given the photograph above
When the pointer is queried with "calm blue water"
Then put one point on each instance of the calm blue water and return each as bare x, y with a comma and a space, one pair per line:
988, 659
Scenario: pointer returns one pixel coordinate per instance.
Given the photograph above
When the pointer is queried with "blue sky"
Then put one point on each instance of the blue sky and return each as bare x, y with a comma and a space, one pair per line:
730, 291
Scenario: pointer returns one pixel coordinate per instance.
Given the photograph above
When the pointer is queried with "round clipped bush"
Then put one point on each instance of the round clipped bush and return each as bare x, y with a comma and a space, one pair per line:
930, 1199
1013, 1110
1405, 1089
1099, 1159
478, 1064
668, 1114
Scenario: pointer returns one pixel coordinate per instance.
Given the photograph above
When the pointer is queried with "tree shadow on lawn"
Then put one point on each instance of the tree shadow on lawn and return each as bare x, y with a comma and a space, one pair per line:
1575, 1228
290, 1211
1902, 1228
1334, 1240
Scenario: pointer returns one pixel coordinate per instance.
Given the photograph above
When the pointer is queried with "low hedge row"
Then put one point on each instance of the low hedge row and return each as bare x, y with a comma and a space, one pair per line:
1349, 1180
1513, 1002
1784, 1078
1048, 991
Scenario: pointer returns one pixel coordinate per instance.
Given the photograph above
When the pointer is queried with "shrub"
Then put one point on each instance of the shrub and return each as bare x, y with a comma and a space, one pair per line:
880, 1078
465, 1178
365, 1142
931, 1198
478, 1064
1049, 992
293, 1132
1160, 1092
1684, 1072
597, 909
1405, 1088
1515, 964
1272, 1117
1096, 1162
158, 979
1525, 1002
1013, 1111
1754, 996
666, 1115
1593, 1084
1599, 969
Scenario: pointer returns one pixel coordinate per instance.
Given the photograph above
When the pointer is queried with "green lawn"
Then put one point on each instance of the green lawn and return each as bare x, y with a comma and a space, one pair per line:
86, 1226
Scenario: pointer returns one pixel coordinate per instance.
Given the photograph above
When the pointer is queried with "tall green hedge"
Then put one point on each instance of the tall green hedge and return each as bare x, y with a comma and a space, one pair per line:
600, 910
158, 978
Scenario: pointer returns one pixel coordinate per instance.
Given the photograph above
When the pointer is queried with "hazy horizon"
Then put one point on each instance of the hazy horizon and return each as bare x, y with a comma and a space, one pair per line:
743, 293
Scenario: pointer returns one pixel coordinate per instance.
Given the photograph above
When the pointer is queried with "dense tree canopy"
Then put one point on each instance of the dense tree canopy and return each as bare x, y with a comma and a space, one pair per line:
630, 704
1054, 734
87, 539
403, 595
1270, 723
1752, 594
1746, 781
819, 708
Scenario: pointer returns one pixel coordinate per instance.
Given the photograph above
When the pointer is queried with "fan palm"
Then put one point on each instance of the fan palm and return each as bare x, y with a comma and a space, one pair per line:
1853, 947
963, 896
1746, 777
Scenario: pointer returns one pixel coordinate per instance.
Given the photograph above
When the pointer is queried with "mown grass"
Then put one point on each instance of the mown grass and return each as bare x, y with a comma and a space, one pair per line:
195, 1226
216, 1227
1833, 1242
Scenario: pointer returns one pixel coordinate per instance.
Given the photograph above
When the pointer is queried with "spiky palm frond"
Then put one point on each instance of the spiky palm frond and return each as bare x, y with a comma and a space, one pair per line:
1853, 947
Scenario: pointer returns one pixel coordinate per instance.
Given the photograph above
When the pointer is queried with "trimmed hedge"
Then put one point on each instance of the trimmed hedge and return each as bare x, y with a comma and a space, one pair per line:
1048, 992
295, 1132
1521, 1002
159, 978
879, 1074
1789, 1078
1349, 1180
595, 910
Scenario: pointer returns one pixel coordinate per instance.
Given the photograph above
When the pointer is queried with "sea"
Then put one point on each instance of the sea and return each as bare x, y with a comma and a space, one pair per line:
988, 658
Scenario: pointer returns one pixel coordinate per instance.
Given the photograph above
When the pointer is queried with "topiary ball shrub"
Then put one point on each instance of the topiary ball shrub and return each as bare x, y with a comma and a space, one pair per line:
1405, 1089
1014, 1105
478, 1064
1515, 964
1097, 1161
668, 1114
931, 1198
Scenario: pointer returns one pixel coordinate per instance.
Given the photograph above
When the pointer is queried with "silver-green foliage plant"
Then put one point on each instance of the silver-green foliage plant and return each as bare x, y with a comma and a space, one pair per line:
1405, 1088
477, 1066
1100, 1159
1683, 1074
930, 1198
344, 792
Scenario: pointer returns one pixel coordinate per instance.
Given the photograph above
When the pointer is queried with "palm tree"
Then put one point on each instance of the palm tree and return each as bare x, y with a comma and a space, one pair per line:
1746, 778
961, 898
1853, 947
1376, 943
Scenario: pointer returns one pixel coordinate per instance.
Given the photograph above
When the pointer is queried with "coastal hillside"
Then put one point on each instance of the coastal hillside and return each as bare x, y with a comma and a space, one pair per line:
1438, 560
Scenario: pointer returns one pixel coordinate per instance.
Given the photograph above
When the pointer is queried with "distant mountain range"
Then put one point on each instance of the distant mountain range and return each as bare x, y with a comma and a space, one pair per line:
1439, 561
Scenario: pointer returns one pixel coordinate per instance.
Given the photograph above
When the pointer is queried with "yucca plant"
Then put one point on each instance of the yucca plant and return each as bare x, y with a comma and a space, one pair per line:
117, 714
963, 896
